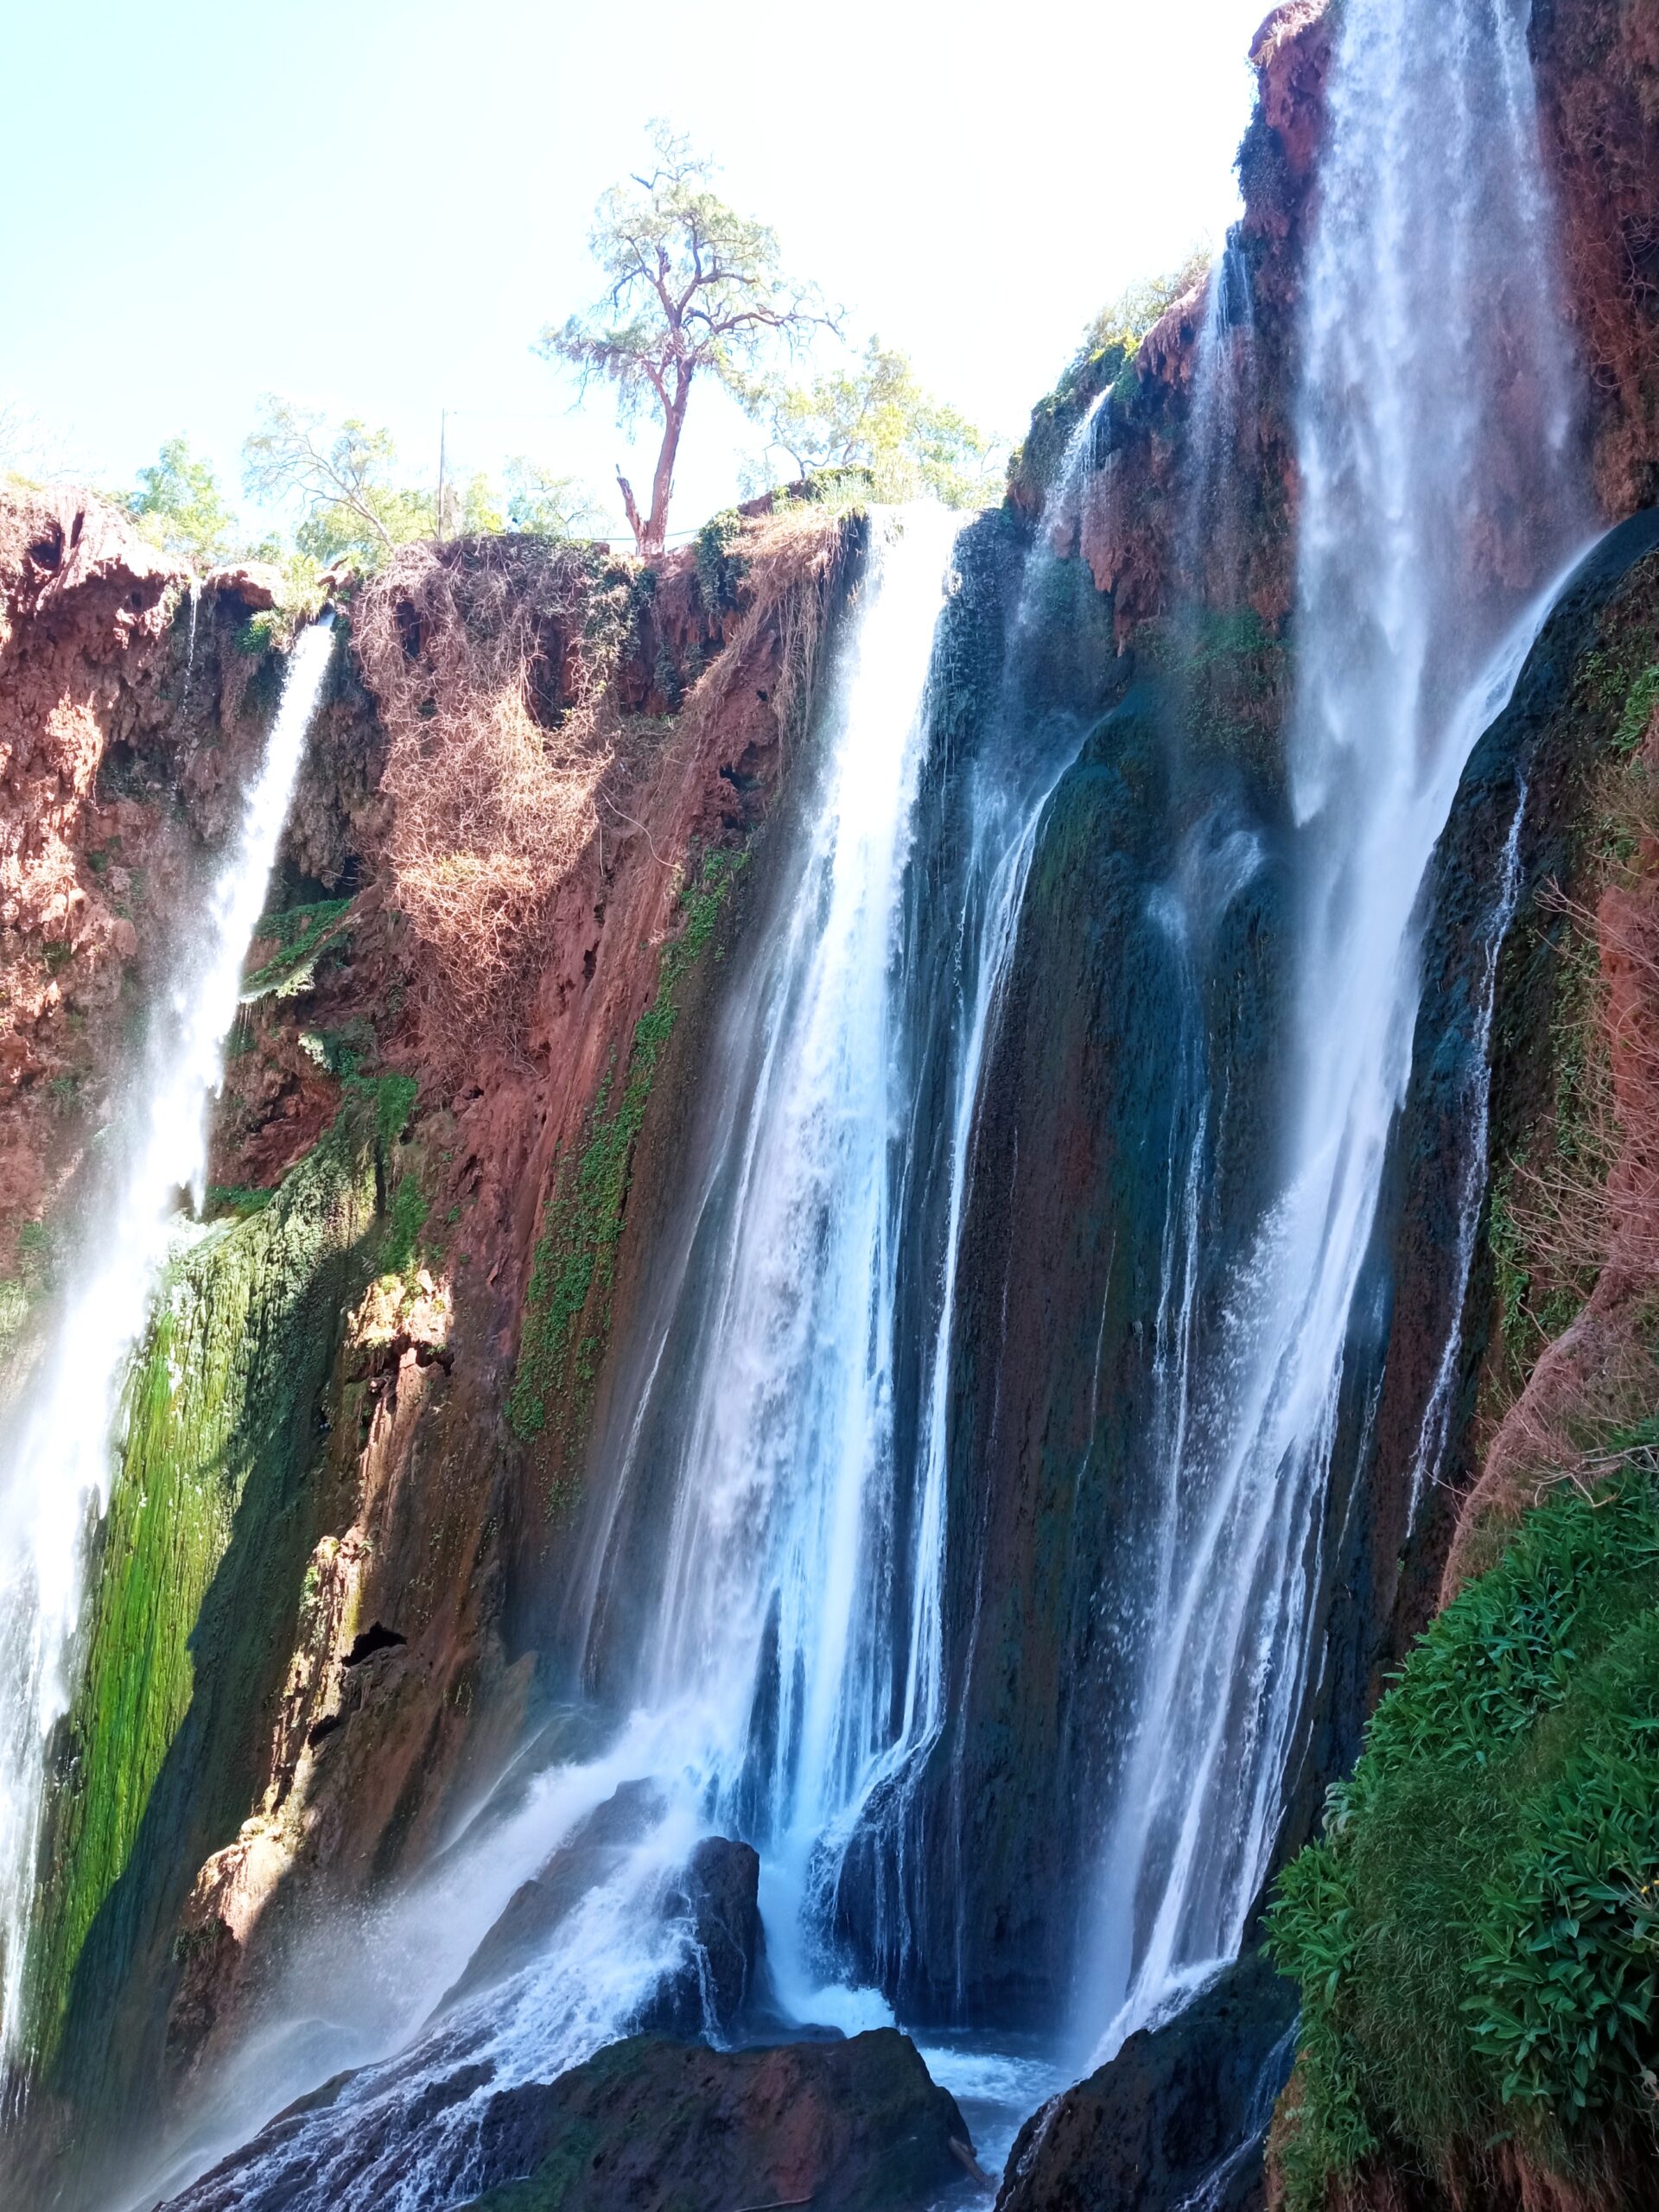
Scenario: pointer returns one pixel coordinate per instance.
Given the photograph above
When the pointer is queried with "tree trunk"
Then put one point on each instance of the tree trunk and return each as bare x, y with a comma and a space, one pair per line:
662, 483
630, 508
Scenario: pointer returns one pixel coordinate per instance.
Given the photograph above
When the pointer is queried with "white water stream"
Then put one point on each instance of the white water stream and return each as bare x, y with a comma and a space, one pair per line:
57, 1454
1437, 477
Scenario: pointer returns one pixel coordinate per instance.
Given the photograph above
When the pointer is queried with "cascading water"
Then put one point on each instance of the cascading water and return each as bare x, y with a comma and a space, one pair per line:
763, 1572
1433, 436
56, 1462
1225, 396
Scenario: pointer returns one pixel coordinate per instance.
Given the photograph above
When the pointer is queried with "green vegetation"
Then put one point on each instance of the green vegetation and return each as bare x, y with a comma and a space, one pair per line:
220, 1431
341, 477
1477, 1932
178, 505
302, 935
410, 1208
1124, 321
876, 420
564, 1330
542, 504
691, 289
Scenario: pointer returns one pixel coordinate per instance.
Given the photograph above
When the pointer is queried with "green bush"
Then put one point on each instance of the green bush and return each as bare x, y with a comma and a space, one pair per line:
1477, 1932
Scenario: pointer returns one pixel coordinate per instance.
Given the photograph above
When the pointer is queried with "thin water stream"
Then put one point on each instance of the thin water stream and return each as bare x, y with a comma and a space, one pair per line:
58, 1454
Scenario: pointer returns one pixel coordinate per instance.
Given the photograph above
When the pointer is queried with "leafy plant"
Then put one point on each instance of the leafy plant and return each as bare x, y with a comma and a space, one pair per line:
178, 505
1477, 1932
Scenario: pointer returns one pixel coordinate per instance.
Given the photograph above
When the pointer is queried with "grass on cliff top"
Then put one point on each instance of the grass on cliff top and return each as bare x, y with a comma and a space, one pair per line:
1477, 1932
567, 1306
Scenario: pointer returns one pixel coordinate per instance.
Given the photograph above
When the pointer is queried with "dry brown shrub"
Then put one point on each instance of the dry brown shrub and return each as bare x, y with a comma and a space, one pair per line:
493, 681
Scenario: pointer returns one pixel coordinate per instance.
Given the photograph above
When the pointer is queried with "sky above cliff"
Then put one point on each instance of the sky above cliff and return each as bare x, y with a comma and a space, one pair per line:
374, 208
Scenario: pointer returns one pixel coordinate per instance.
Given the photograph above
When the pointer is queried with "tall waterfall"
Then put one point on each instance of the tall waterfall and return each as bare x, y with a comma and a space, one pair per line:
763, 1580
1439, 492
55, 1462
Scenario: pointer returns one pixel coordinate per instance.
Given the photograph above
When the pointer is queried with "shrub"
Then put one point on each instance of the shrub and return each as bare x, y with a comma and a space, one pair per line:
1477, 1932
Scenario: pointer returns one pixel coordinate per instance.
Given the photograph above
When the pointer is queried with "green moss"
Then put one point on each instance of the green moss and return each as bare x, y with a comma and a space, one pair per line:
720, 569
240, 1199
410, 1208
219, 1424
267, 632
567, 1306
302, 934
1477, 1932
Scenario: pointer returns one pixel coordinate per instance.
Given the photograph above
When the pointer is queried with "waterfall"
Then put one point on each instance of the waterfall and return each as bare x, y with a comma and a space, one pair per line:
55, 1463
1212, 553
764, 1565
1439, 489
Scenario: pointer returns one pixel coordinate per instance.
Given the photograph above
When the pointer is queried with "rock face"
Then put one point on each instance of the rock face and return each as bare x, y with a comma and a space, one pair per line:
853, 2127
1178, 2118
1597, 72
847, 2127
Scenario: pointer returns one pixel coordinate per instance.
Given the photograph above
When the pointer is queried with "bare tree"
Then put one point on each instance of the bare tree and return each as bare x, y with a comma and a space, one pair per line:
690, 286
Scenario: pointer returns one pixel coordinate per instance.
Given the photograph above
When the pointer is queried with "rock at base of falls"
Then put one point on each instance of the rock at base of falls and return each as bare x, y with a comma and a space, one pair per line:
856, 2125
1177, 2119
721, 1987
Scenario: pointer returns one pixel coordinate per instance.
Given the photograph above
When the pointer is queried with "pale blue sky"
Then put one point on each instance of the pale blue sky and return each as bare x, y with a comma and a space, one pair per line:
373, 206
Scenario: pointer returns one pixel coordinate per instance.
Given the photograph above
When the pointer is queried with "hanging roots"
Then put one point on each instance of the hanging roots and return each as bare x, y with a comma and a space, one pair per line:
492, 660
789, 559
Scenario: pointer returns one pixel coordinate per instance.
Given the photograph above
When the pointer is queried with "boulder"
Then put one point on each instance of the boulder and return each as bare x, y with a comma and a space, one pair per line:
857, 2125
588, 1855
715, 1991
719, 1989
1178, 2118
254, 585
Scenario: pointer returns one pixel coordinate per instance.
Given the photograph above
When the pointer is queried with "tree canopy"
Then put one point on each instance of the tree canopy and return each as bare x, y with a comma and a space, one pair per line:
876, 417
342, 478
178, 505
1125, 320
544, 505
691, 287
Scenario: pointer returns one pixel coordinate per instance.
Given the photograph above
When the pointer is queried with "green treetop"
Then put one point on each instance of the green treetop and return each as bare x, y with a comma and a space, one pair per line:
342, 476
692, 287
178, 505
876, 418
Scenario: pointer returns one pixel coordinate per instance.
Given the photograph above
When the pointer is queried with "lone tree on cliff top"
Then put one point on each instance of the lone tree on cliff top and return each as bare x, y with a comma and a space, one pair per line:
692, 286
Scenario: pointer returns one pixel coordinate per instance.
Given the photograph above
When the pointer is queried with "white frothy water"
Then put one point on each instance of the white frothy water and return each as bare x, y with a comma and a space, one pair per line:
771, 1694
57, 1455
1433, 441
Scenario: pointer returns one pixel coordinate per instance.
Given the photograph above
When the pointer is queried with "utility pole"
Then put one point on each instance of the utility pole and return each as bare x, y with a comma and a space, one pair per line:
443, 427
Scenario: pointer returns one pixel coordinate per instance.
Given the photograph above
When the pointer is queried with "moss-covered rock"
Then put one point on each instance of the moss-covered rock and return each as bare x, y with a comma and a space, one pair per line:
1477, 1932
198, 1569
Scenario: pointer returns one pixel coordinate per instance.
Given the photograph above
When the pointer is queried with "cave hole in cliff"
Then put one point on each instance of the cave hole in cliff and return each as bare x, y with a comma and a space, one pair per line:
545, 692
46, 551
376, 1638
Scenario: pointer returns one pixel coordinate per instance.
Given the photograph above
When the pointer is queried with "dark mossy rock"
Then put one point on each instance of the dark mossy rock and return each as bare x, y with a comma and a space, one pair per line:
851, 2127
1179, 2118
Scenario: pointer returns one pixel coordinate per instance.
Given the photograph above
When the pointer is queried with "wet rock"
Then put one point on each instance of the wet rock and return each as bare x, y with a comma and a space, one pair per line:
851, 2127
719, 1989
1178, 2118
717, 1898
588, 1856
